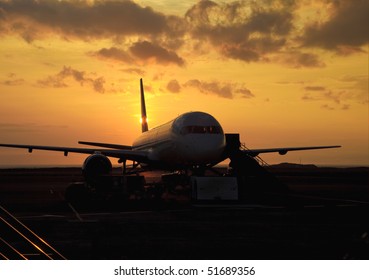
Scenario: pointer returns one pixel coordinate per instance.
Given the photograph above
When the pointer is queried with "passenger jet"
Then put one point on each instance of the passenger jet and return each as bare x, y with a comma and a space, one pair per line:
192, 140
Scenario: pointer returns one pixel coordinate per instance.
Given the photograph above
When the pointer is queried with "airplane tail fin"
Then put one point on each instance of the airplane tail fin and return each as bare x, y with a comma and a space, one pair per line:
144, 125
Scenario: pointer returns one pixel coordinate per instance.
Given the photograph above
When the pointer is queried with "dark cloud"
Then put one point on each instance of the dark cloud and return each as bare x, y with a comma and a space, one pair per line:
160, 35
15, 82
245, 93
135, 71
83, 19
147, 52
52, 81
308, 97
328, 95
211, 88
296, 59
345, 107
337, 99
12, 80
314, 88
225, 90
114, 53
346, 29
173, 86
141, 52
327, 107
251, 31
237, 20
244, 30
334, 96
349, 88
358, 85
98, 84
240, 52
59, 80
277, 21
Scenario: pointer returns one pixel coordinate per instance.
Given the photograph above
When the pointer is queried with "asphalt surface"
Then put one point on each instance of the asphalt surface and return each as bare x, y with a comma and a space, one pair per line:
323, 215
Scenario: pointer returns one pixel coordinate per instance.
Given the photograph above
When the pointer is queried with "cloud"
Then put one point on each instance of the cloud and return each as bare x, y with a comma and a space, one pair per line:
308, 97
345, 107
243, 30
296, 59
27, 127
245, 93
149, 52
314, 88
12, 80
113, 53
211, 88
173, 86
240, 18
268, 31
135, 71
98, 84
338, 98
140, 52
225, 90
327, 107
348, 88
328, 95
82, 19
346, 29
358, 87
15, 82
334, 96
240, 52
59, 80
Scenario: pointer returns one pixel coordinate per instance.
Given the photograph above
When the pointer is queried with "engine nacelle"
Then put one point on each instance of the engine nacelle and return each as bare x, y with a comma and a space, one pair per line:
95, 168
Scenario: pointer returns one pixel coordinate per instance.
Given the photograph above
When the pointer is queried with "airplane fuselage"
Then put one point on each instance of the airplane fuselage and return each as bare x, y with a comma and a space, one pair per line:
193, 138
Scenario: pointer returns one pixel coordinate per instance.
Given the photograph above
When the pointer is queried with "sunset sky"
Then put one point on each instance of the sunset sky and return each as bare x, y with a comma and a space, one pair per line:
280, 73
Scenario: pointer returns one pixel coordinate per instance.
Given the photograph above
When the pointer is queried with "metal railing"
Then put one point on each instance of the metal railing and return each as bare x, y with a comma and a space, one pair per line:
16, 237
257, 158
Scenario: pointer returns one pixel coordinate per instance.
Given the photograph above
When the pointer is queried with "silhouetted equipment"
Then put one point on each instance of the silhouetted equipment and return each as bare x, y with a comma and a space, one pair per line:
18, 242
214, 188
95, 167
253, 178
246, 178
233, 144
194, 142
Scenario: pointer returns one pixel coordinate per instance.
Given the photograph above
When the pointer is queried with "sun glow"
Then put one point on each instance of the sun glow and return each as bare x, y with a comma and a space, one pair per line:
146, 120
68, 80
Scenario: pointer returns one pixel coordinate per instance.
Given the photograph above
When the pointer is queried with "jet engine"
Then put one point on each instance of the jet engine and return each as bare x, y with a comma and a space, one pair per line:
95, 170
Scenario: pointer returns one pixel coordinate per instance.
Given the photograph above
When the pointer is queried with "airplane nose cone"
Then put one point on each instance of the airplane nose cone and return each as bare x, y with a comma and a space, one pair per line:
207, 149
200, 138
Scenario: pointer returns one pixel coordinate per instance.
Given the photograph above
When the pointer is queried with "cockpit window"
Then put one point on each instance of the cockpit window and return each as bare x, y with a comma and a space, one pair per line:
194, 129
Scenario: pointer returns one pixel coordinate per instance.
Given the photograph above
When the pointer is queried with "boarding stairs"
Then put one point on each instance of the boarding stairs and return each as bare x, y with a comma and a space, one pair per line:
252, 173
257, 158
18, 242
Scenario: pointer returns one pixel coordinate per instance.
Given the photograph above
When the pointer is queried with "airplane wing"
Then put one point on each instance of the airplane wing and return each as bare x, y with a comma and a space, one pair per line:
106, 145
138, 156
283, 151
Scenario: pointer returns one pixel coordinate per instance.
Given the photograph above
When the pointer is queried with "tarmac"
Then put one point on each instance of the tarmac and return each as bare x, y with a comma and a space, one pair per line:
323, 215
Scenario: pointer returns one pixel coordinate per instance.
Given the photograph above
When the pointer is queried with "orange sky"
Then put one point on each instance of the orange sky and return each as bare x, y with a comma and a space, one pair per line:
280, 73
